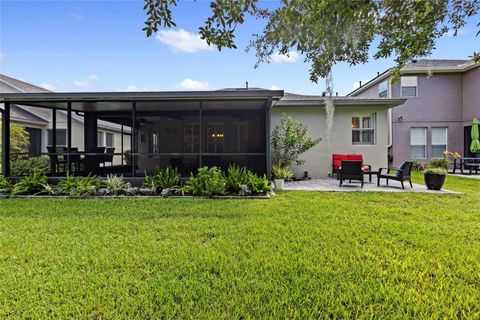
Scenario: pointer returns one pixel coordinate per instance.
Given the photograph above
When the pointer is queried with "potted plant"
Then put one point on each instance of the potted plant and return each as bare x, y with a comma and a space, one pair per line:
435, 173
280, 174
434, 178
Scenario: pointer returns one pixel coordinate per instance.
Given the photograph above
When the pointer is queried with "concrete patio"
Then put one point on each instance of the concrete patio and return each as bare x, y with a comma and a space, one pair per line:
334, 185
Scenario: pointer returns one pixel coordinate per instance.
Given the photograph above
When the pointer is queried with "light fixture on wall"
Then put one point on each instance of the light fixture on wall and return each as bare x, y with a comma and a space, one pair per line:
400, 118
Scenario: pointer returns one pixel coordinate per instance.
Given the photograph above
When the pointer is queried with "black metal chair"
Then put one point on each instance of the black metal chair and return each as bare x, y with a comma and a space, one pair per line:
55, 162
402, 174
75, 159
109, 152
351, 170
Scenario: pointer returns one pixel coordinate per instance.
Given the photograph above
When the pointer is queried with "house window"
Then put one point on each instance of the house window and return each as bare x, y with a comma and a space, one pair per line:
383, 89
418, 142
439, 142
409, 86
61, 137
109, 139
100, 139
363, 130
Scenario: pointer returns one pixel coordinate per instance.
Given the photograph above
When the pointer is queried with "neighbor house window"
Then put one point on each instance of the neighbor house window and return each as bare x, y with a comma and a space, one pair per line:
61, 137
383, 89
409, 86
439, 142
100, 139
418, 142
363, 130
109, 142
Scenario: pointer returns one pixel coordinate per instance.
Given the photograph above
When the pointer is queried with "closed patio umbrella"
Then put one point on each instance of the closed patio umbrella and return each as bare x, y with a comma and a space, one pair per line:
475, 146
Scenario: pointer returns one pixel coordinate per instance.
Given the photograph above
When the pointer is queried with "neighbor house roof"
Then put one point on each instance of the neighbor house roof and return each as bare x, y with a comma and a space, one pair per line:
422, 66
21, 85
292, 99
21, 115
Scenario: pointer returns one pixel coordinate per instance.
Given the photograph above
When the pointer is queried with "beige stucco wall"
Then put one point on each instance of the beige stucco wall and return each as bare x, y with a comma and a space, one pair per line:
318, 160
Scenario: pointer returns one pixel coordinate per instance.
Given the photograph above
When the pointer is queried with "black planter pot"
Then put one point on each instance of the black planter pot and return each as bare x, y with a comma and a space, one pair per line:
476, 155
434, 181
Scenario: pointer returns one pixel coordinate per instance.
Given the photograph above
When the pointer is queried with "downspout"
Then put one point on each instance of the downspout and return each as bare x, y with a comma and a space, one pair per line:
390, 117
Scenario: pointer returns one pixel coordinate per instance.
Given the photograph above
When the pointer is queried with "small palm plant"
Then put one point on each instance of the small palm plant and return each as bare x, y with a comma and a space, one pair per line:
115, 185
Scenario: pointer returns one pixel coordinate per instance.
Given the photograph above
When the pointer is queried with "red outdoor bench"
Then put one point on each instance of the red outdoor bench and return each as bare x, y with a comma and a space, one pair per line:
337, 163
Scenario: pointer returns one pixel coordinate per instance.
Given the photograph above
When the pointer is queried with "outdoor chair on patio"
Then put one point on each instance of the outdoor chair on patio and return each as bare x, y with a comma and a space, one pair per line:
403, 173
351, 170
109, 152
55, 162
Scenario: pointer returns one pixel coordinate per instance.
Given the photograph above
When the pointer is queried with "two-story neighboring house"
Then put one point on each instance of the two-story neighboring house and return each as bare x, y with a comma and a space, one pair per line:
38, 123
443, 97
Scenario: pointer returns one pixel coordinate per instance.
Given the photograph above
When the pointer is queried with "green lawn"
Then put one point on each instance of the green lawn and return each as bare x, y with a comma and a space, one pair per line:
298, 255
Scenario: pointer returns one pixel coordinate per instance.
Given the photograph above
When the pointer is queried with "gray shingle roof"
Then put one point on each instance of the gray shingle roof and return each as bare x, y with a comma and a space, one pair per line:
435, 63
22, 85
21, 115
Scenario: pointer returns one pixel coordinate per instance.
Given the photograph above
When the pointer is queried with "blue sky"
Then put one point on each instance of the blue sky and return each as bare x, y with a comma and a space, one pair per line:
99, 46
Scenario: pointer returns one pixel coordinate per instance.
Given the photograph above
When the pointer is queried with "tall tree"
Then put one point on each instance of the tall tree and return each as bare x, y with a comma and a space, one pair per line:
330, 31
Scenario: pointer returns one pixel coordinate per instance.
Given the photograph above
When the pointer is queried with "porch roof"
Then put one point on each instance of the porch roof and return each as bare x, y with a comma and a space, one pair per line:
122, 101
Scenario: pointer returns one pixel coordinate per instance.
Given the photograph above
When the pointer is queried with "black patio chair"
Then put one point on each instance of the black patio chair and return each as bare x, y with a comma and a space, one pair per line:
75, 159
109, 152
55, 162
402, 174
350, 170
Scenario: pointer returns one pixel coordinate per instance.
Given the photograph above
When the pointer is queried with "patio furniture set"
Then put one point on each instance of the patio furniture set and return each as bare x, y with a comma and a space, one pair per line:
466, 164
59, 162
352, 168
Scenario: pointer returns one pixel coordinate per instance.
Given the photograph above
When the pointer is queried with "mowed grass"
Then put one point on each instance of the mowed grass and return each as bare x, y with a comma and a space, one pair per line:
299, 255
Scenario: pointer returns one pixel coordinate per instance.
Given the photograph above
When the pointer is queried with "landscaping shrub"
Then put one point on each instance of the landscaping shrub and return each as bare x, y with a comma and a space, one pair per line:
24, 166
236, 179
5, 185
417, 165
33, 183
207, 182
162, 179
80, 186
115, 185
290, 139
280, 172
258, 184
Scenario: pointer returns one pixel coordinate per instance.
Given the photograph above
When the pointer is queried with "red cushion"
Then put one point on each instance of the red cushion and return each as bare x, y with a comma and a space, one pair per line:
337, 160
355, 157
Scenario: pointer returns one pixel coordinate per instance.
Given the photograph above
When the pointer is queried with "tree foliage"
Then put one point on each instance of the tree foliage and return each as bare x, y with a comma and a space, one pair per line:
290, 140
330, 31
19, 138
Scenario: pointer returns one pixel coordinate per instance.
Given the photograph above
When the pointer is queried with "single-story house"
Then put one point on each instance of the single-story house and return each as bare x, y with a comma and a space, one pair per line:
189, 129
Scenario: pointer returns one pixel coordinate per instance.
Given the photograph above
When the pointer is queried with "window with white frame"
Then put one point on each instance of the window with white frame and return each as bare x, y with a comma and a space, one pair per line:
363, 130
100, 139
61, 137
439, 142
109, 140
383, 89
418, 143
409, 86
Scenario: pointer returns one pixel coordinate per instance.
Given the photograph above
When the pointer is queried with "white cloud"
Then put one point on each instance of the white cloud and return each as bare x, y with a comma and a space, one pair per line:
274, 87
356, 84
182, 41
291, 57
90, 81
48, 86
189, 84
